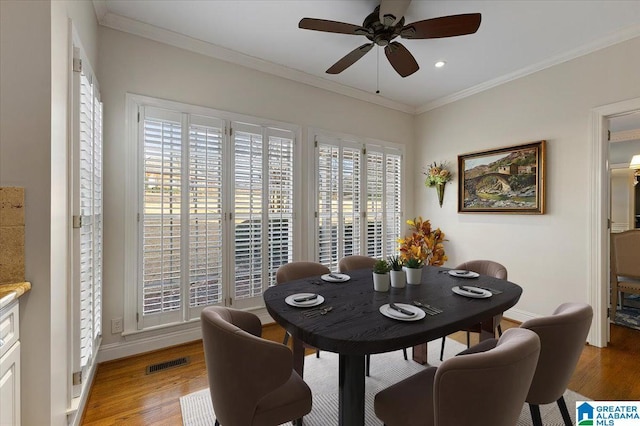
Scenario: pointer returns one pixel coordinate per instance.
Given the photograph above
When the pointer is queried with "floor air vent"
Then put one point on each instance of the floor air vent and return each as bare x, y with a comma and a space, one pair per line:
167, 364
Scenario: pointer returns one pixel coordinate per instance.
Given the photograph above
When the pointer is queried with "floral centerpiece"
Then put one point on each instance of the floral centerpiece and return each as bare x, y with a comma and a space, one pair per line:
423, 246
438, 175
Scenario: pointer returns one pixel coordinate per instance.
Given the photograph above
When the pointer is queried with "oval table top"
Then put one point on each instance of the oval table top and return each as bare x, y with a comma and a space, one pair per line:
355, 326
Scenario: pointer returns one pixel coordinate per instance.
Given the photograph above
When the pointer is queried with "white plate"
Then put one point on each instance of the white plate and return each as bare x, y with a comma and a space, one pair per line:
482, 293
340, 278
392, 313
460, 273
307, 304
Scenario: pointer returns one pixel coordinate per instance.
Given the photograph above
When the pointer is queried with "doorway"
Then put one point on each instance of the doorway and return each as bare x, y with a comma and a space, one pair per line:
624, 143
598, 232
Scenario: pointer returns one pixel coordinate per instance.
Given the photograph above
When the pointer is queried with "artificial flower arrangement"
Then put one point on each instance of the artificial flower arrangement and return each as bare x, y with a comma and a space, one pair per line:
437, 174
423, 246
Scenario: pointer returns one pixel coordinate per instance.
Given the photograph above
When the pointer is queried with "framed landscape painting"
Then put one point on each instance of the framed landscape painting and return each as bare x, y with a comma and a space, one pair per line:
503, 180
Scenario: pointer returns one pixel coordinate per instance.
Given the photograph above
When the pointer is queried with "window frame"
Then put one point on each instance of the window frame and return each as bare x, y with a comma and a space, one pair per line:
367, 144
133, 194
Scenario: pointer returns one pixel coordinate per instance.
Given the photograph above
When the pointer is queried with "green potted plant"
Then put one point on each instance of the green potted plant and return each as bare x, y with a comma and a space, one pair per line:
381, 275
397, 275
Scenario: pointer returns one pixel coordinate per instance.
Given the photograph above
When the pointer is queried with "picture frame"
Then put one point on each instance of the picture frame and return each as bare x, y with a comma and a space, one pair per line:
503, 180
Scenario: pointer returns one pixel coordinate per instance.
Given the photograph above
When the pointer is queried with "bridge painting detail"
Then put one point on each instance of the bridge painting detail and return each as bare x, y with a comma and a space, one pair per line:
503, 180
470, 184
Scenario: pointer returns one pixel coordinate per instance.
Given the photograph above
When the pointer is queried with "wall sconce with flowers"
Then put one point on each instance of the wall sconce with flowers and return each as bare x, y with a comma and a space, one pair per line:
438, 175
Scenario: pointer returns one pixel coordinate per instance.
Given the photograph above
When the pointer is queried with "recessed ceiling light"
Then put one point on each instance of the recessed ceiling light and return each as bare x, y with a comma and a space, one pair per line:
440, 64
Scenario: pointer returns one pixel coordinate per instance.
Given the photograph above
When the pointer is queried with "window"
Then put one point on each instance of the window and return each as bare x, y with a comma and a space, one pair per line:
86, 208
215, 205
359, 202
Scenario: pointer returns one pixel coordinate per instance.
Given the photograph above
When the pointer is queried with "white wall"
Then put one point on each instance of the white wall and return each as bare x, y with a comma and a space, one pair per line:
545, 254
133, 64
34, 75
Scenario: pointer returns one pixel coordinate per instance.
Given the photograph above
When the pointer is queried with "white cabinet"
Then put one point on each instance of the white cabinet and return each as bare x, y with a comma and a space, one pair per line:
9, 365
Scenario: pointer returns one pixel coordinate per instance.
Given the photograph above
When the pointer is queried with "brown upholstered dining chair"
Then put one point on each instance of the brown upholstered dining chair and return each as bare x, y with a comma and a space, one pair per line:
562, 337
251, 380
482, 267
463, 390
295, 271
356, 261
353, 262
625, 267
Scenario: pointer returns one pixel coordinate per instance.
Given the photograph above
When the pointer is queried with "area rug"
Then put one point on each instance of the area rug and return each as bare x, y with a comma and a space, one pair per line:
629, 316
321, 374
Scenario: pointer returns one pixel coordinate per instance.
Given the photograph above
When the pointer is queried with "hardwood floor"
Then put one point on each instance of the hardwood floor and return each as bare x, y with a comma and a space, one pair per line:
123, 393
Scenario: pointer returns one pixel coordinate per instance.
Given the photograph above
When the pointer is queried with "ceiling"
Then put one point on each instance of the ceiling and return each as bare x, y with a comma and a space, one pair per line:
515, 38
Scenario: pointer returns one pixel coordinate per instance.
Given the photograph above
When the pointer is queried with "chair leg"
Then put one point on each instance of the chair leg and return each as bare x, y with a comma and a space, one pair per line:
367, 363
499, 330
535, 414
442, 348
468, 340
404, 352
286, 338
317, 353
565, 413
217, 423
297, 422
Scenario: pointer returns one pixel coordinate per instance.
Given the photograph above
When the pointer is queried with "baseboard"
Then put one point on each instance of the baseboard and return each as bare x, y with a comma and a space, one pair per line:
160, 339
518, 315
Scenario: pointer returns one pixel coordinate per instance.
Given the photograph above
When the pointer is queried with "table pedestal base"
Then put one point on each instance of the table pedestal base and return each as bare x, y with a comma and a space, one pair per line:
351, 390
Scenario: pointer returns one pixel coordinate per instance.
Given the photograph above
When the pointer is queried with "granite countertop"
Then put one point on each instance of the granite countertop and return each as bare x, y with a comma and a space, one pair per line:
11, 291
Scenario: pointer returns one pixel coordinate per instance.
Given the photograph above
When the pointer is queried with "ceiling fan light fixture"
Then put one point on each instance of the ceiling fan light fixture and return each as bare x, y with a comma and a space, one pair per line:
440, 64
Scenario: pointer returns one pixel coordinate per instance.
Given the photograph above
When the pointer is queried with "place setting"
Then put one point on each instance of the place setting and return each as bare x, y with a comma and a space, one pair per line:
471, 291
335, 277
304, 300
402, 312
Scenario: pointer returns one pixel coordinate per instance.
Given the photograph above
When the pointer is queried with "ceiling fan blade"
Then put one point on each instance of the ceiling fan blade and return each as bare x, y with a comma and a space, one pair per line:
445, 26
349, 59
401, 59
391, 11
331, 26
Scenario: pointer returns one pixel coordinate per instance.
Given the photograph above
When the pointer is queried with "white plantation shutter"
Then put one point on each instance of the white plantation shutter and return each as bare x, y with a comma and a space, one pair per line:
98, 223
339, 169
280, 207
393, 202
161, 221
263, 207
375, 203
216, 211
352, 186
248, 210
86, 206
205, 212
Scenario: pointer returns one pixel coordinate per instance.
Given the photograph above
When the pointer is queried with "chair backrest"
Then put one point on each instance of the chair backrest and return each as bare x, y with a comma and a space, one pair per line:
485, 267
625, 247
562, 338
350, 263
297, 270
242, 367
487, 388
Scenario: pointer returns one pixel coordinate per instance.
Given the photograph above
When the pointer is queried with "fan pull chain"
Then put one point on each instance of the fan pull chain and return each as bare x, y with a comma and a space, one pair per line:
378, 71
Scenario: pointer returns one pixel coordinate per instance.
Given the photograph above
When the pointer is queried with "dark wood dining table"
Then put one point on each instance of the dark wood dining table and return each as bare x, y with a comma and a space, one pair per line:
354, 327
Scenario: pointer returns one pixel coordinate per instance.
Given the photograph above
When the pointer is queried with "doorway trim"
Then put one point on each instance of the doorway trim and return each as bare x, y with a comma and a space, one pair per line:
598, 232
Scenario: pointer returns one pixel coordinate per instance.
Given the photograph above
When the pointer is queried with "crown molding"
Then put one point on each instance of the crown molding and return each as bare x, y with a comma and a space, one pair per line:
100, 7
171, 38
618, 37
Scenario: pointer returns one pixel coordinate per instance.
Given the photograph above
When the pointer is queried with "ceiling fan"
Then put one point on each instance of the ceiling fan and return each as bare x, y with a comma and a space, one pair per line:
386, 23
